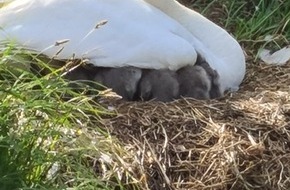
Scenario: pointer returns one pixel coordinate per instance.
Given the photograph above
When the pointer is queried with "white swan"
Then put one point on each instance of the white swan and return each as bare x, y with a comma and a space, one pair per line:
155, 34
220, 49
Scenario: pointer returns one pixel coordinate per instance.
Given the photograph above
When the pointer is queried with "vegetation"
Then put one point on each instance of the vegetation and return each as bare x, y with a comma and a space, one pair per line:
255, 23
43, 136
52, 137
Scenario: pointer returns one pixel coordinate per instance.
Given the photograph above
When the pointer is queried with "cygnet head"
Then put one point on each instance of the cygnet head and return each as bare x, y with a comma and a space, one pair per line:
161, 85
215, 91
194, 82
123, 80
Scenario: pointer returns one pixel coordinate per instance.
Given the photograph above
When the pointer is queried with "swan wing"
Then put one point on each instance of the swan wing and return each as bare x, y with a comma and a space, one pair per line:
133, 32
217, 46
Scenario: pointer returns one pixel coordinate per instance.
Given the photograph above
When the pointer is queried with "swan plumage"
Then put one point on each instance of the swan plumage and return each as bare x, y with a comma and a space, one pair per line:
136, 34
219, 48
154, 34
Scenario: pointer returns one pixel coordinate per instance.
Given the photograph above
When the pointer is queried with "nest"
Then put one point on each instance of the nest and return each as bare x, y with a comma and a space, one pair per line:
241, 141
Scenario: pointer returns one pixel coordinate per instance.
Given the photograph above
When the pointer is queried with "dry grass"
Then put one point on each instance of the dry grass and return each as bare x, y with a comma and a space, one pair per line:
239, 142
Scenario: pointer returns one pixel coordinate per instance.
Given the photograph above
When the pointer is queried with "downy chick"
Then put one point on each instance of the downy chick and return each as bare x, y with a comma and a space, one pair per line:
161, 85
194, 82
123, 80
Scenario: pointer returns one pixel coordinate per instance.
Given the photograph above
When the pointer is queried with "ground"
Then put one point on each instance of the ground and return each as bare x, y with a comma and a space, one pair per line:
238, 142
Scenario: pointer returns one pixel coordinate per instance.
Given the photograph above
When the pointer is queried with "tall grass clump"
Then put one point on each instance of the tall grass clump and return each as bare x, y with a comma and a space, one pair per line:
260, 23
48, 141
255, 23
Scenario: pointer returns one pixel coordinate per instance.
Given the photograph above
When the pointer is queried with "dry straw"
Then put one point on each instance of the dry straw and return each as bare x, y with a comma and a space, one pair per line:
239, 142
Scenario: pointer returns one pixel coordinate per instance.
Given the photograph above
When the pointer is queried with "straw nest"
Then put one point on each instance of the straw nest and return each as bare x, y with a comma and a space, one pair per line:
241, 141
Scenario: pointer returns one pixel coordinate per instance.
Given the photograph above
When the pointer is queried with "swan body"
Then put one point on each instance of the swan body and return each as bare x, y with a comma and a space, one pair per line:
135, 35
220, 49
151, 34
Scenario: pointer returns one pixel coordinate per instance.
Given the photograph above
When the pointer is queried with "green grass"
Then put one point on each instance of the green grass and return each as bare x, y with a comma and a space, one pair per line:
267, 25
41, 132
255, 23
